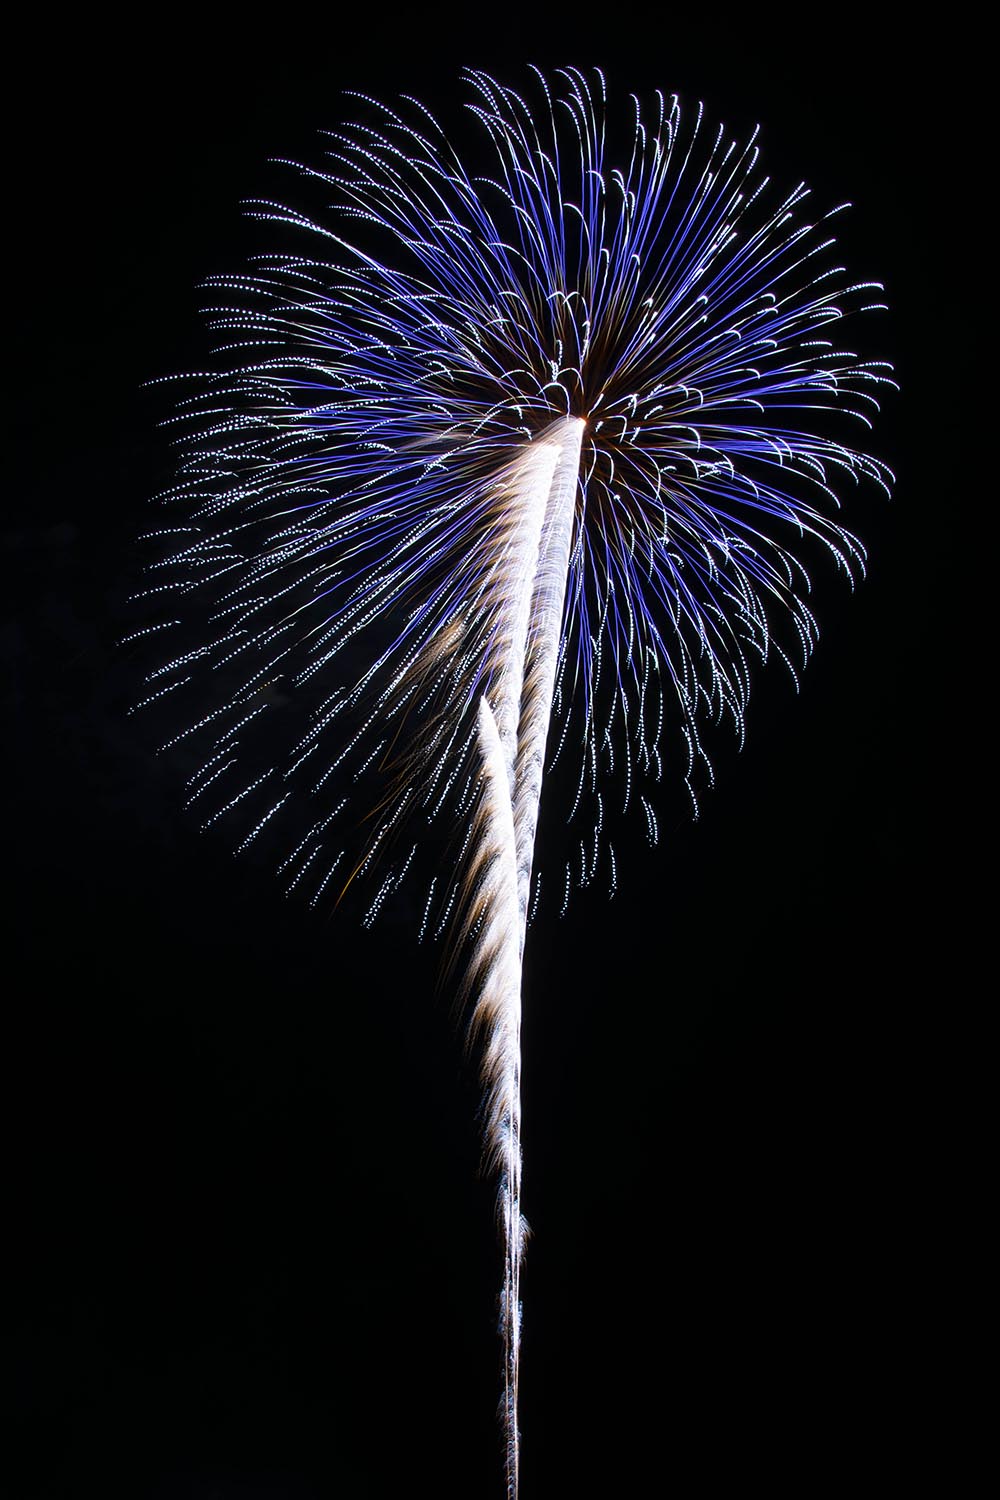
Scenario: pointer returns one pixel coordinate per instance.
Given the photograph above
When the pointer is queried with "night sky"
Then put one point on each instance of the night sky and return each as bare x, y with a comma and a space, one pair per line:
257, 1259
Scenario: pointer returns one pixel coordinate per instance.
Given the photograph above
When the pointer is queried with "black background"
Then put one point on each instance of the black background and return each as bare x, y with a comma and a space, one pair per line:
256, 1259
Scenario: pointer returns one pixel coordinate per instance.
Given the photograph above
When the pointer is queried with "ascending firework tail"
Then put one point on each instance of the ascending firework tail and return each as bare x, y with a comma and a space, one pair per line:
539, 499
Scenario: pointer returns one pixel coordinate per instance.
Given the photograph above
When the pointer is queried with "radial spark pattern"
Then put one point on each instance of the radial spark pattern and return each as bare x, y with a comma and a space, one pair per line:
341, 502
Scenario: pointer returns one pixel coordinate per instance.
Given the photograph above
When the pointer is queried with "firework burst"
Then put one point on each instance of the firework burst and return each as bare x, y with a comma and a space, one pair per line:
554, 439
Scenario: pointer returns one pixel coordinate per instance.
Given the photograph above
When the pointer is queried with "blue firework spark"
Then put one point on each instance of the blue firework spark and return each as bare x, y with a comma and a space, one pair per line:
336, 496
337, 486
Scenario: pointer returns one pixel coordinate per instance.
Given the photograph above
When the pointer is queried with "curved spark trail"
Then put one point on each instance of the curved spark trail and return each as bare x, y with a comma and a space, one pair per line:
559, 438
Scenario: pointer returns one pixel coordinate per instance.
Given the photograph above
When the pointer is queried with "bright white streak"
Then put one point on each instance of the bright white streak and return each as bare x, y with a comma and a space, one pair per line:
548, 599
530, 590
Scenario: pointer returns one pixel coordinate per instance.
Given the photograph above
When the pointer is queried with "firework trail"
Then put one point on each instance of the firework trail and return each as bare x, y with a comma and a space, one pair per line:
555, 433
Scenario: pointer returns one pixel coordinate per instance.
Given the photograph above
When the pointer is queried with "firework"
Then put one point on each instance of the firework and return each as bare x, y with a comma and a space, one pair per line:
557, 434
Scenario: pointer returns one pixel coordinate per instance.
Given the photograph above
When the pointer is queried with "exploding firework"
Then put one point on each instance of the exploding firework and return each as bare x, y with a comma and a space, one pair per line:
554, 441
